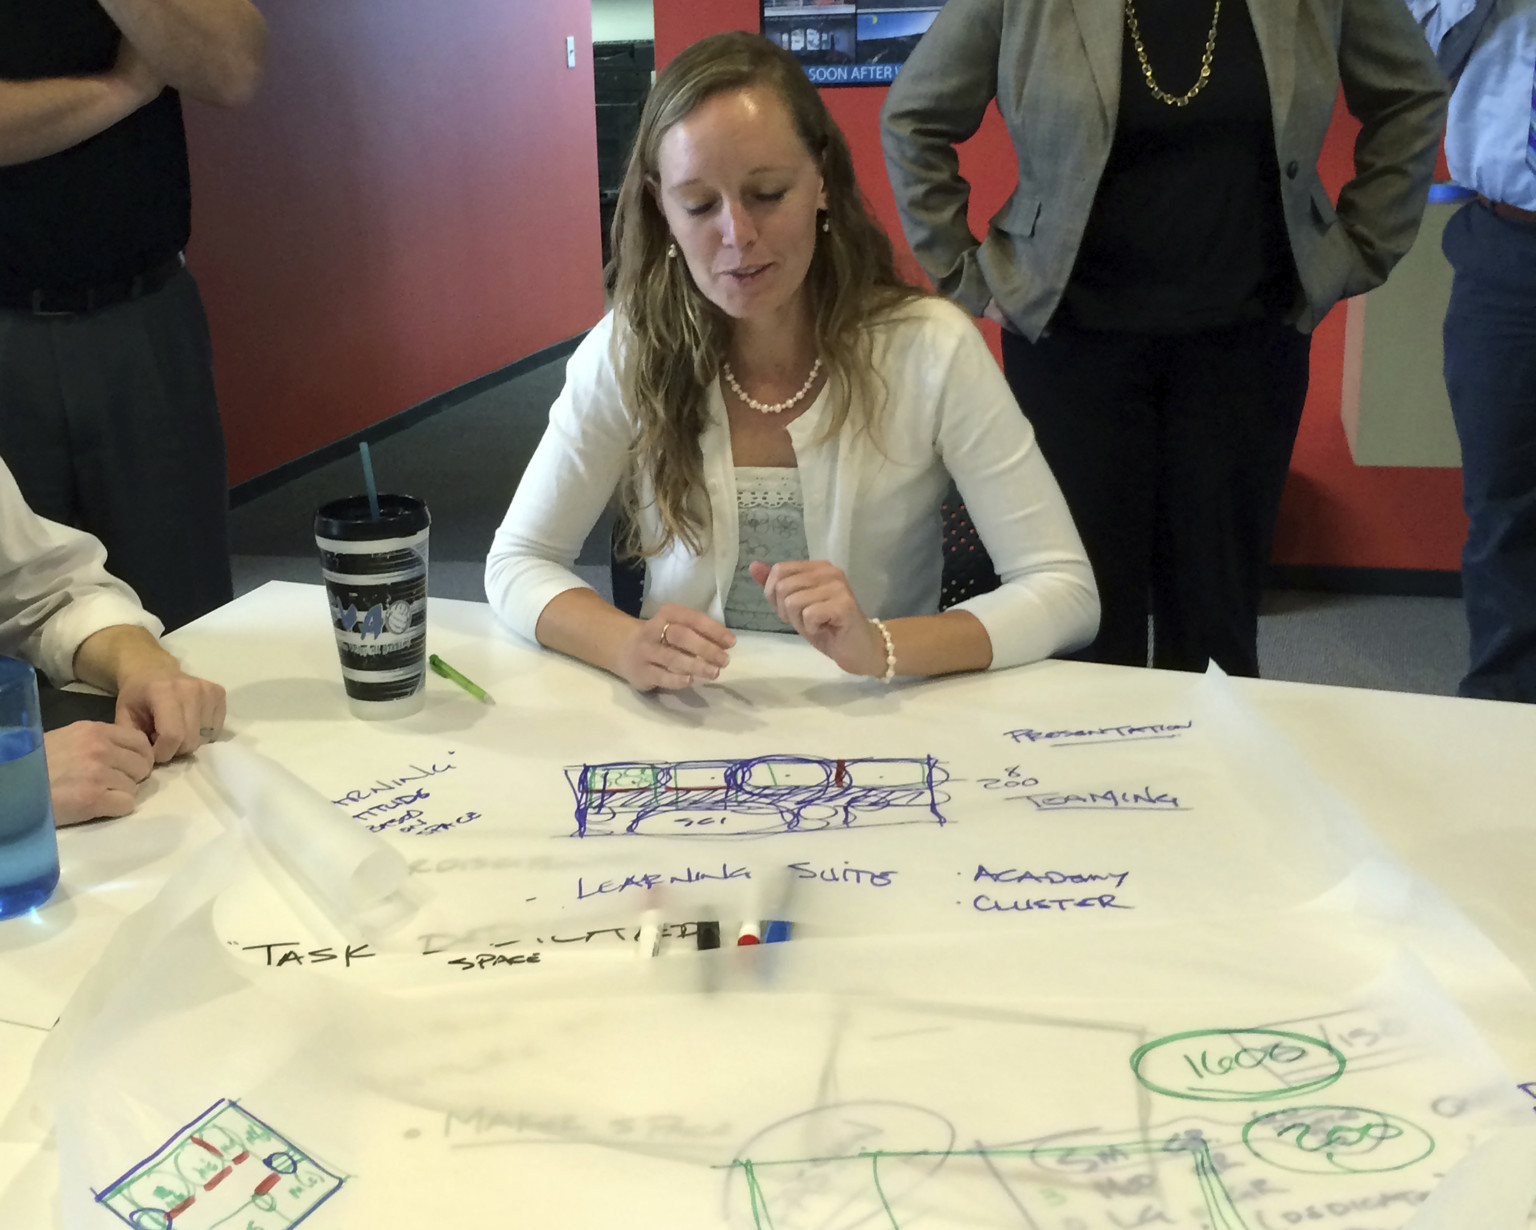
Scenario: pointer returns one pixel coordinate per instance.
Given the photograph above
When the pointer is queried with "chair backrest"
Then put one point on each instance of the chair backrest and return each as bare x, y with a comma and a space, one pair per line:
968, 568
967, 572
627, 576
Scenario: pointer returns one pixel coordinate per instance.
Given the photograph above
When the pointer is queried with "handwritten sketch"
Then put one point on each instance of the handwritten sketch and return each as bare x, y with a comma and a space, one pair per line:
762, 795
837, 1168
225, 1168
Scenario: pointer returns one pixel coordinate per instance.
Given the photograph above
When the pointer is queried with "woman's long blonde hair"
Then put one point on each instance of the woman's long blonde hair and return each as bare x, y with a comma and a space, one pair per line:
676, 339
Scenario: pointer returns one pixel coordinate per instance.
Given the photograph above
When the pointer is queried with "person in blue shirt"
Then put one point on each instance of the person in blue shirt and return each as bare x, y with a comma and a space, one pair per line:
1488, 47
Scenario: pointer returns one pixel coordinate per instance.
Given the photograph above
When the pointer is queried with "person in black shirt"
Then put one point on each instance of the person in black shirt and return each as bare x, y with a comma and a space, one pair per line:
107, 410
1163, 260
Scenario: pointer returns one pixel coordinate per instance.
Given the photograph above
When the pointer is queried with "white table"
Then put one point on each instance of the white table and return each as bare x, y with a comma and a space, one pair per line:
1275, 856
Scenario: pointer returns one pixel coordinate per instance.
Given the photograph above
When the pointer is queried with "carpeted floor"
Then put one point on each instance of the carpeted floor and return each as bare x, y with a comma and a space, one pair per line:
465, 463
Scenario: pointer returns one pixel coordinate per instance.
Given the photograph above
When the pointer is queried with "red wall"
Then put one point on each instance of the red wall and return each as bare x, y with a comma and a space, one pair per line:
1334, 512
411, 202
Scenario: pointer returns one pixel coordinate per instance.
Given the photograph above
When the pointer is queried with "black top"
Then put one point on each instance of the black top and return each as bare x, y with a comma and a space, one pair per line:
111, 207
1186, 231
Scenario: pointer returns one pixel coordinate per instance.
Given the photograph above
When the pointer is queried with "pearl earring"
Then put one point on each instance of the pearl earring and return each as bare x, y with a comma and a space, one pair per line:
826, 225
671, 251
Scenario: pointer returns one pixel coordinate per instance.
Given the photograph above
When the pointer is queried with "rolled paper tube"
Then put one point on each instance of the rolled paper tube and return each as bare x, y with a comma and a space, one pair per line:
347, 869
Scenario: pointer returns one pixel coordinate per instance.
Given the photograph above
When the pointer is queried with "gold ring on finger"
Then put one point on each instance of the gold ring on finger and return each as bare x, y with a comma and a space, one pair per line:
664, 640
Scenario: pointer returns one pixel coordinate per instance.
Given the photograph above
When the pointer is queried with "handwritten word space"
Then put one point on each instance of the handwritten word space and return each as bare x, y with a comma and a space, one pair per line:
1100, 734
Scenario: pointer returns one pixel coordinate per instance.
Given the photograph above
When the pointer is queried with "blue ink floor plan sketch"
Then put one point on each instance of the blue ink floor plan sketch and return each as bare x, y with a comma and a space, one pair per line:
766, 794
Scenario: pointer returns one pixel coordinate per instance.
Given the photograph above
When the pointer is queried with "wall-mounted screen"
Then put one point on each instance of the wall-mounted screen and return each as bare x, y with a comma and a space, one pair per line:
842, 43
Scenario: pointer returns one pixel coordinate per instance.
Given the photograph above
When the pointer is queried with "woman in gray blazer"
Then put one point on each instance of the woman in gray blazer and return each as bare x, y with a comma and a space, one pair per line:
1163, 259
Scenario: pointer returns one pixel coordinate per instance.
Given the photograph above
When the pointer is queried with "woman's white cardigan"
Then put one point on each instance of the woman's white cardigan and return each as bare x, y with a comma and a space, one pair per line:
872, 504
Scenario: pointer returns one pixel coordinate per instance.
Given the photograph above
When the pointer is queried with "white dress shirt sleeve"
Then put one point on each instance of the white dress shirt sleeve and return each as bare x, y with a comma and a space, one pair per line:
55, 590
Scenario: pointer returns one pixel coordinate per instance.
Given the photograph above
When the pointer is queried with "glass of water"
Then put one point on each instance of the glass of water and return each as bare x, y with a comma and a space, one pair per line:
29, 852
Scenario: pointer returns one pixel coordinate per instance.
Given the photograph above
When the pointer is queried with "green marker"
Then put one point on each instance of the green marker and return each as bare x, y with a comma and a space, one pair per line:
447, 672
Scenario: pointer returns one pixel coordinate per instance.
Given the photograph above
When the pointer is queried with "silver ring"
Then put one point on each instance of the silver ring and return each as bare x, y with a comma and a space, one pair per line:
664, 640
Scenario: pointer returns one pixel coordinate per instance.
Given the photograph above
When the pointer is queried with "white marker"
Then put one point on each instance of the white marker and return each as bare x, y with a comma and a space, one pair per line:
650, 934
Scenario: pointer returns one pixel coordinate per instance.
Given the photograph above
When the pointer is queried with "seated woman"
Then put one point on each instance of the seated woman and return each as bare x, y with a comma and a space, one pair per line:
781, 416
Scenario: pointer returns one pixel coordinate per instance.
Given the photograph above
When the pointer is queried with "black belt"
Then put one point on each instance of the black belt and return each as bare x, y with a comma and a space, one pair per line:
73, 302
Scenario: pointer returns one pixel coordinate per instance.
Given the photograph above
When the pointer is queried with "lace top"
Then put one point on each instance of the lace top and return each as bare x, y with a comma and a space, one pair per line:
771, 515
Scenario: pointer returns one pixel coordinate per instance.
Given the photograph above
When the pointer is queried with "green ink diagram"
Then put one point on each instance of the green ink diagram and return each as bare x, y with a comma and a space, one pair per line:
856, 1183
224, 1169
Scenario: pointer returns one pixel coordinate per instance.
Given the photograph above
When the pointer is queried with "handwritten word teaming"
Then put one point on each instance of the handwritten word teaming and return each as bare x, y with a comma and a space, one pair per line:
1012, 875
1101, 734
650, 879
843, 875
1145, 799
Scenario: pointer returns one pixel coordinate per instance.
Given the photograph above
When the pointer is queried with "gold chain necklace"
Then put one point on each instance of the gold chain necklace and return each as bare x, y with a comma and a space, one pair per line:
1181, 100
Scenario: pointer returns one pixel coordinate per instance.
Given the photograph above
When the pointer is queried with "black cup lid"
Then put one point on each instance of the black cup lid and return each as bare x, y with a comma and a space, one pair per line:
351, 519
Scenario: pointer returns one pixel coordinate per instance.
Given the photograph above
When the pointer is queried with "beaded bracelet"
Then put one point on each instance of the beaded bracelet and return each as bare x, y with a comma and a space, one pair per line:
890, 650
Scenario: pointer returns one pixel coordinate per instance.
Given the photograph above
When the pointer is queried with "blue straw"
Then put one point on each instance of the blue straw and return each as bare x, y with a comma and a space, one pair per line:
373, 492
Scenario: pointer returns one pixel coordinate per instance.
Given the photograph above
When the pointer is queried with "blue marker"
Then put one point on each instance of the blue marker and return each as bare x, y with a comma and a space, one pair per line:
776, 931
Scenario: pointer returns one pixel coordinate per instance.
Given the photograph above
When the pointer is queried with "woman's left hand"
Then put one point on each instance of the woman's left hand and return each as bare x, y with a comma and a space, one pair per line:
813, 597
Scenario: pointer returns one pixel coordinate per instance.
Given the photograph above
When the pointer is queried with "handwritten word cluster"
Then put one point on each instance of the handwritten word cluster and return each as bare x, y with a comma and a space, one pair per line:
999, 903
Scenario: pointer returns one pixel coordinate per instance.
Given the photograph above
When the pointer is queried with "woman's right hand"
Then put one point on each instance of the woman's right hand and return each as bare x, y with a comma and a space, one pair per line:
674, 648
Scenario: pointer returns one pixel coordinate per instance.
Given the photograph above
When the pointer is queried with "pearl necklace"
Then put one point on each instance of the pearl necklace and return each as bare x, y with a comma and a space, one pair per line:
763, 407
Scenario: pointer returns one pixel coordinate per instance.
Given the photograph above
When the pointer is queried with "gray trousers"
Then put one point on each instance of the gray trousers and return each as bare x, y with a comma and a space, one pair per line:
109, 422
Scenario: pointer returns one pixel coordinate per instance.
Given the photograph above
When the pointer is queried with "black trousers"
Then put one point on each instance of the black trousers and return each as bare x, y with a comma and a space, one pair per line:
1172, 452
108, 421
1490, 374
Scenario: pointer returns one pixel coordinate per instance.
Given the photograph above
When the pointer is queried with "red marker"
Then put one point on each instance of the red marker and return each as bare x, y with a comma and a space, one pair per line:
750, 934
